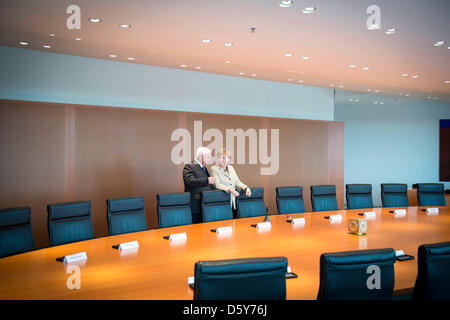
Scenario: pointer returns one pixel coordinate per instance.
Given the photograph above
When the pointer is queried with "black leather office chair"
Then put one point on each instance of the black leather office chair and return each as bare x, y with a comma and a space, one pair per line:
216, 206
126, 215
394, 195
431, 194
358, 196
433, 276
323, 198
241, 279
69, 222
15, 231
352, 275
252, 206
174, 209
290, 200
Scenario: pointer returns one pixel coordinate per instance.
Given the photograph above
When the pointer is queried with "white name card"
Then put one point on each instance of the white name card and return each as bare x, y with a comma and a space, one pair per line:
224, 230
400, 212
129, 245
264, 226
335, 218
288, 269
191, 280
370, 214
399, 253
298, 222
75, 257
432, 211
178, 236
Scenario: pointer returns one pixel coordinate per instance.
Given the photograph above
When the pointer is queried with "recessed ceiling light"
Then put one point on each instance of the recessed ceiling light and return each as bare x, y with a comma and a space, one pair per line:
428, 97
391, 31
375, 102
198, 67
227, 61
447, 81
113, 56
241, 73
356, 100
95, 20
305, 58
352, 66
286, 4
290, 71
78, 39
52, 35
350, 99
405, 74
24, 43
438, 43
288, 54
415, 77
300, 81
125, 25
253, 74
291, 80
183, 65
309, 10
377, 91
369, 90
130, 58
381, 102
341, 86
206, 40
365, 68
331, 85
407, 94
47, 46
434, 98
227, 44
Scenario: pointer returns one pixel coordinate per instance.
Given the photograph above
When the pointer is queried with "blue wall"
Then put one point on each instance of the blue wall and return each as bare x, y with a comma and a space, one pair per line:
394, 142
51, 77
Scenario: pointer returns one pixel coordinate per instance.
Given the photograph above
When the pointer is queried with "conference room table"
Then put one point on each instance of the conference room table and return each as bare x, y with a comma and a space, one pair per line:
160, 268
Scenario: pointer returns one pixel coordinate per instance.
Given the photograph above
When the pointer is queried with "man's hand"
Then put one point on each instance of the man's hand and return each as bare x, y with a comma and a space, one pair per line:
248, 192
211, 180
234, 192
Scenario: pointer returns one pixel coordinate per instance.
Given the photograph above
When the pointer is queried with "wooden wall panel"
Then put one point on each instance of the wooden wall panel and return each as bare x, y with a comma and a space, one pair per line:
55, 152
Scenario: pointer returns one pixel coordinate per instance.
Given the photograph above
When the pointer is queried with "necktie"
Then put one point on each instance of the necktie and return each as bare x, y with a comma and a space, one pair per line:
204, 170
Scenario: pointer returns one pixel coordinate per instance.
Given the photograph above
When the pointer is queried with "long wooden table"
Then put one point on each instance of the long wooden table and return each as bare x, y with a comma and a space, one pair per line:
160, 269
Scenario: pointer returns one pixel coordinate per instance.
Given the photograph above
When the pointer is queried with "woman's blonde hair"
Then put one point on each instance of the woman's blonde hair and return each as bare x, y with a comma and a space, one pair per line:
223, 152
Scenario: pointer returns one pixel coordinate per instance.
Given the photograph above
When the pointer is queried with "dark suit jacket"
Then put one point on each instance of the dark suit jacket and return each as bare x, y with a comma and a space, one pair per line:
196, 181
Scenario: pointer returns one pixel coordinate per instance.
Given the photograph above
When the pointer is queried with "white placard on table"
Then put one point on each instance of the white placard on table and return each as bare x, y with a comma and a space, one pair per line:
129, 245
432, 211
224, 230
335, 218
75, 257
400, 213
264, 225
399, 253
370, 214
298, 221
178, 236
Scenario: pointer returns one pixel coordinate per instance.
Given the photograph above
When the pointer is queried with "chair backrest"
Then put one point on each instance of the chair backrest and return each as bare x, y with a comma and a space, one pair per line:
252, 206
357, 275
431, 194
358, 196
290, 200
241, 279
69, 222
126, 215
323, 198
15, 231
394, 195
216, 206
433, 274
174, 209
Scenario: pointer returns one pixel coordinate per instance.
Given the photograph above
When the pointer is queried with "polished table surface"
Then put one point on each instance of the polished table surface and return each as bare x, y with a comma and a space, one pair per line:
159, 269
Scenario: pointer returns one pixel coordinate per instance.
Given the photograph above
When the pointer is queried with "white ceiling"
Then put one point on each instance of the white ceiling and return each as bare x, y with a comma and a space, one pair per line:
168, 33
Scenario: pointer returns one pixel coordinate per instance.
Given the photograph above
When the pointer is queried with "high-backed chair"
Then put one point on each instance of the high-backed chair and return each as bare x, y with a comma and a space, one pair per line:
431, 194
433, 277
394, 195
216, 206
241, 279
358, 196
69, 222
357, 275
323, 198
126, 215
174, 209
15, 231
252, 206
290, 200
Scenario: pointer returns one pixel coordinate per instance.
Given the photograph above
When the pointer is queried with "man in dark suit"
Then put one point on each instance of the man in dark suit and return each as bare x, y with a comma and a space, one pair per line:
197, 179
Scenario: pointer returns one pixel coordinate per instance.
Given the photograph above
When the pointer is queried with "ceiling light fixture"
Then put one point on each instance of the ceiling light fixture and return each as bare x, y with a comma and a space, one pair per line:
113, 56
415, 77
286, 4
52, 35
391, 31
365, 68
95, 20
447, 81
125, 26
352, 66
438, 43
305, 58
206, 40
300, 81
183, 65
47, 46
405, 74
24, 43
253, 74
130, 58
291, 80
198, 67
227, 61
227, 44
309, 10
288, 54
78, 39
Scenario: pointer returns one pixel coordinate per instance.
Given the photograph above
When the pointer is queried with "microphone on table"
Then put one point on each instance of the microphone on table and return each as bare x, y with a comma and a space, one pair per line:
267, 219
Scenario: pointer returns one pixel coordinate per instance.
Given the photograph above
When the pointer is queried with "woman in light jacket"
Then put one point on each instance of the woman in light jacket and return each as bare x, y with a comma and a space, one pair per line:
227, 179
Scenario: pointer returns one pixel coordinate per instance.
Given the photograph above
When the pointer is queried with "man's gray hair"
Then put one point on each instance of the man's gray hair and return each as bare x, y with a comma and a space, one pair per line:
200, 151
